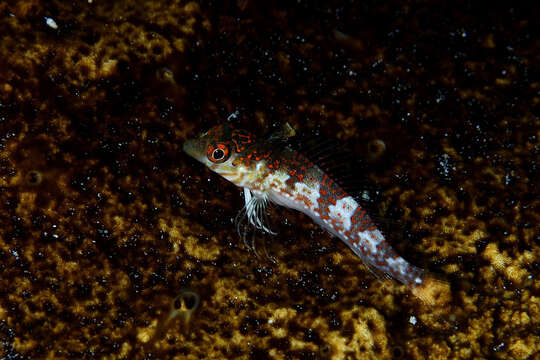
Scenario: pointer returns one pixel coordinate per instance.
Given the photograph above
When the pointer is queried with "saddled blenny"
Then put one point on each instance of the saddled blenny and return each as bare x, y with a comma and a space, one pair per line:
271, 171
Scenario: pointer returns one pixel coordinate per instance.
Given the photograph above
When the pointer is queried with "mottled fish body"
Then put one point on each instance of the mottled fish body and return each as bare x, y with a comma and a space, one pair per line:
270, 170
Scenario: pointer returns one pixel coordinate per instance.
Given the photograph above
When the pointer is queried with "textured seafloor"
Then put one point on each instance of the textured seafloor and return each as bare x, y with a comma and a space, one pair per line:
104, 222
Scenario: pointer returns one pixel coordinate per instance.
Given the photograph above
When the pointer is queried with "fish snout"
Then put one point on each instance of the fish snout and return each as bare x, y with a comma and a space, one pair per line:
192, 148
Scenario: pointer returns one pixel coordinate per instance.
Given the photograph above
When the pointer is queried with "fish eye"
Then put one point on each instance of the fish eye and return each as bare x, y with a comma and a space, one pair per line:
218, 153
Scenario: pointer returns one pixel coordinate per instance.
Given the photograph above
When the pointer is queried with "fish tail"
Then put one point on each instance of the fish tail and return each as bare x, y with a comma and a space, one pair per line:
432, 291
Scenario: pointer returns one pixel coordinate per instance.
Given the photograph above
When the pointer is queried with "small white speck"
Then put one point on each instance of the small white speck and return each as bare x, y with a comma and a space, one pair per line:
412, 320
233, 115
51, 23
270, 321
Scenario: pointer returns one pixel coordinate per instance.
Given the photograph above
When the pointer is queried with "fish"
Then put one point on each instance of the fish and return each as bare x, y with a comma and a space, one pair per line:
272, 171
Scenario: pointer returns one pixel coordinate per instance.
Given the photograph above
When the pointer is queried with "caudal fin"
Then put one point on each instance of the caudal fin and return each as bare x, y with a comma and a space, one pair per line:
433, 291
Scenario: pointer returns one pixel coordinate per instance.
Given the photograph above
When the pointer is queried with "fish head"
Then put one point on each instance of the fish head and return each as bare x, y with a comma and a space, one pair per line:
219, 148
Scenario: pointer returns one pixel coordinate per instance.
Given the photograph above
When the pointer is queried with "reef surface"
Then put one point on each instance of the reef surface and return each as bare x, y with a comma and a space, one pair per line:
114, 244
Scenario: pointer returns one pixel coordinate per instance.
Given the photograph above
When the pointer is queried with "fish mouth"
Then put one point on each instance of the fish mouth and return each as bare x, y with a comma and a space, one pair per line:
191, 148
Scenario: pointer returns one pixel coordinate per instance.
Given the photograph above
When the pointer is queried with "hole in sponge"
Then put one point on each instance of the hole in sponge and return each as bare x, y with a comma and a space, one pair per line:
33, 177
187, 300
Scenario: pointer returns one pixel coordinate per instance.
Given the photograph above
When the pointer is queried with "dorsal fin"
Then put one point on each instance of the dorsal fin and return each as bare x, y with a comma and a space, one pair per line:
285, 132
340, 165
347, 170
